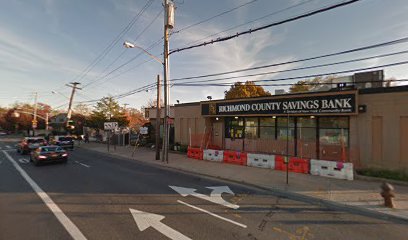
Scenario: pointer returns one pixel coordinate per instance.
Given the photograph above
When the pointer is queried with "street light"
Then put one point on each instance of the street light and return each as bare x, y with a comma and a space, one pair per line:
127, 44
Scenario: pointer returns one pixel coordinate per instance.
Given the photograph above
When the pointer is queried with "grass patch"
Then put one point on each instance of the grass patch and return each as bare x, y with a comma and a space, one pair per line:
388, 174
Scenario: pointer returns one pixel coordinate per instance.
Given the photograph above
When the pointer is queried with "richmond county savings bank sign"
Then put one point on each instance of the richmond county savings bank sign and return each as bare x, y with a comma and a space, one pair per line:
327, 104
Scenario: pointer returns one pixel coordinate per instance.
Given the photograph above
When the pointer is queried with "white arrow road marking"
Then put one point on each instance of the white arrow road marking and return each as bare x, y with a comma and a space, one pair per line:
83, 164
213, 214
23, 160
71, 228
144, 220
214, 197
8, 146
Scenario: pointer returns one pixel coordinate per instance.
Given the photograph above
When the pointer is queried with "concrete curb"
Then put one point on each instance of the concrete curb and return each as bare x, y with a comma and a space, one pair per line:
279, 192
380, 180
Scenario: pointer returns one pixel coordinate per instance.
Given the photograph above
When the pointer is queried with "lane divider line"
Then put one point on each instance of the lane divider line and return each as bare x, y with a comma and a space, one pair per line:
213, 214
83, 164
71, 228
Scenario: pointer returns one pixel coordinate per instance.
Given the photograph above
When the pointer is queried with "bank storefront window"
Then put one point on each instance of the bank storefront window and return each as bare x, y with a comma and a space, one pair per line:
306, 137
251, 128
333, 138
234, 128
267, 128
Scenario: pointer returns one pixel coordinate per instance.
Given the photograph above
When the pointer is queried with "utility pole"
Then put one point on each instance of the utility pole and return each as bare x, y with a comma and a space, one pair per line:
168, 24
34, 123
74, 87
46, 124
158, 119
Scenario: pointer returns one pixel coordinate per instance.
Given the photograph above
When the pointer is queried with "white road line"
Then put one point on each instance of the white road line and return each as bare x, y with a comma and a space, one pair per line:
8, 146
71, 228
213, 214
23, 160
83, 164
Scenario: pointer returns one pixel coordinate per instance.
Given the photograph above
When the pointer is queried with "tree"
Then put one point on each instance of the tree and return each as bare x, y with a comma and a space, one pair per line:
310, 84
82, 109
136, 118
106, 107
245, 90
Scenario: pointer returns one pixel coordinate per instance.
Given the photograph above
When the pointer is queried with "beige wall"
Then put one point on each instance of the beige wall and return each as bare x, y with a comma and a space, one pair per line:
382, 131
378, 137
188, 117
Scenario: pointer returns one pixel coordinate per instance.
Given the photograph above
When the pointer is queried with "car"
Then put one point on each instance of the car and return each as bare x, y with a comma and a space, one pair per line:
29, 144
49, 153
3, 133
66, 142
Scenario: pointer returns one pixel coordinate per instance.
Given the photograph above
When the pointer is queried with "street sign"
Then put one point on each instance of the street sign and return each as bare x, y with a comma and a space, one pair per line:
144, 130
110, 125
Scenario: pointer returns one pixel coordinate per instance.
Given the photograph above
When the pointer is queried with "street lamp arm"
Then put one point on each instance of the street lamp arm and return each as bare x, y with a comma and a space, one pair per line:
43, 118
131, 45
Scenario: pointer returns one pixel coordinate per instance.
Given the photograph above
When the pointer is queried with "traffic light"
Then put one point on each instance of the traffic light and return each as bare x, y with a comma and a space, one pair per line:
70, 124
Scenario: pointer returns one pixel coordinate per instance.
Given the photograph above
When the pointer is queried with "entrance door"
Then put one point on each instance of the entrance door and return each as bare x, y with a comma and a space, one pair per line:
217, 134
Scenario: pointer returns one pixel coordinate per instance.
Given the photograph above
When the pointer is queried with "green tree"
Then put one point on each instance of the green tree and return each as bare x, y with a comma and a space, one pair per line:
105, 108
245, 90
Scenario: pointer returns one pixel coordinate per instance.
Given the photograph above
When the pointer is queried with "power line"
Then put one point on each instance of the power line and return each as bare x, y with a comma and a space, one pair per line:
383, 44
124, 50
282, 84
213, 17
252, 21
113, 42
222, 39
127, 62
305, 68
299, 77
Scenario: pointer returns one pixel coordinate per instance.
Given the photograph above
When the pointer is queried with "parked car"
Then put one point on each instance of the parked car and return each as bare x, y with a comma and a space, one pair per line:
49, 153
29, 144
66, 142
3, 133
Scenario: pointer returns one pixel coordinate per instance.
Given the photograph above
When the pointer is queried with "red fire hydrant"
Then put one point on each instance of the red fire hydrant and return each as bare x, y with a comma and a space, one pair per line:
388, 194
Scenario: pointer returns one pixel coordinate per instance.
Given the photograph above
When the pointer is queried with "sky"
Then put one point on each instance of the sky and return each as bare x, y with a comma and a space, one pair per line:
46, 44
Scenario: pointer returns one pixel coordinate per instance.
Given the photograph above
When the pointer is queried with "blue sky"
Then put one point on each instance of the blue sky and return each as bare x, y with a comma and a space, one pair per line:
46, 44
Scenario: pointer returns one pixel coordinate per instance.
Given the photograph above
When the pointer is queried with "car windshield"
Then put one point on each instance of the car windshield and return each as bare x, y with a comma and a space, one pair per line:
65, 138
50, 149
35, 140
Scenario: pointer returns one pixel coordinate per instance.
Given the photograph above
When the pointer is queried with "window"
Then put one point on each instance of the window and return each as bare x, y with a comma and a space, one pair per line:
283, 128
234, 128
251, 128
333, 138
333, 130
267, 128
306, 137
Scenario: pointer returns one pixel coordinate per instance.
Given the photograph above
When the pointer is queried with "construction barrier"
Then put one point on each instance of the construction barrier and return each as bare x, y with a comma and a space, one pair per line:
261, 160
298, 165
195, 153
233, 157
213, 155
331, 169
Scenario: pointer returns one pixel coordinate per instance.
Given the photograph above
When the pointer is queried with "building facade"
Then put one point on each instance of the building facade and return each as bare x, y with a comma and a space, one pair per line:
368, 127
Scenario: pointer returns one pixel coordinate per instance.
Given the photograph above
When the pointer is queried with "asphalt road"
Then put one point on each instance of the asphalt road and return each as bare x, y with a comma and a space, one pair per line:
92, 196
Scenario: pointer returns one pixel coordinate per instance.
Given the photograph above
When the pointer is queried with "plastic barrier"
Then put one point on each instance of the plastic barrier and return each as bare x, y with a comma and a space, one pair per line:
195, 153
331, 169
261, 160
213, 155
232, 157
298, 165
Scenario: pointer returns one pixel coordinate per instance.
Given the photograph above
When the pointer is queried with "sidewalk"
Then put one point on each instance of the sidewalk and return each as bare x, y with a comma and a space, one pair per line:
358, 195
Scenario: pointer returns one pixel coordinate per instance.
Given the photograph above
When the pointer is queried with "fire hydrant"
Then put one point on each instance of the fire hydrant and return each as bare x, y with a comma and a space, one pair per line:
388, 194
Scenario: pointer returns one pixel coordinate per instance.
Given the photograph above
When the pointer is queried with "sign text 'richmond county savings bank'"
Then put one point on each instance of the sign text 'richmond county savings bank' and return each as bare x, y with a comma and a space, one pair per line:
336, 103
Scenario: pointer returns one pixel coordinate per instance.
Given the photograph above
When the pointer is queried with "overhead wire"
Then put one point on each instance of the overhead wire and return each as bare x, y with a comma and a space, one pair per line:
213, 17
249, 31
377, 45
252, 21
299, 77
112, 43
305, 68
98, 78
